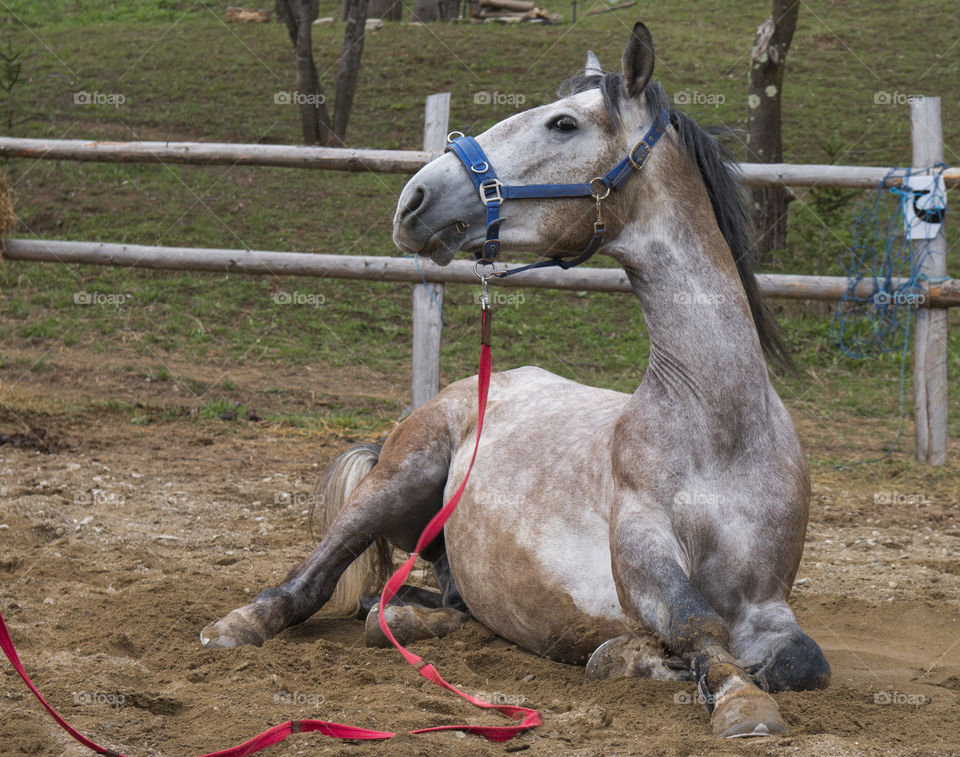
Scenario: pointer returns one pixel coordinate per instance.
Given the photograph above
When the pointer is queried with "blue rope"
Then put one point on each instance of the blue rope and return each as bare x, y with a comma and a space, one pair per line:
882, 250
866, 326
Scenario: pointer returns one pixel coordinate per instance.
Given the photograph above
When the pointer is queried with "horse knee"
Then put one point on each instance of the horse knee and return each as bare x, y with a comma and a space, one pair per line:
797, 665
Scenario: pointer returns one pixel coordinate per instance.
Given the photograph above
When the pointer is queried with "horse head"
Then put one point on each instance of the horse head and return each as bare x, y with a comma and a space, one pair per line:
573, 140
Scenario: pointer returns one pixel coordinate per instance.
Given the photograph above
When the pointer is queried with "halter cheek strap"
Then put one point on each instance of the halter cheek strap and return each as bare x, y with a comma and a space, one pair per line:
493, 192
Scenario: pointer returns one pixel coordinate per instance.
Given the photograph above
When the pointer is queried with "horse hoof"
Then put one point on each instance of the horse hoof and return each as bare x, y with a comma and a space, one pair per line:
631, 657
238, 628
410, 623
745, 714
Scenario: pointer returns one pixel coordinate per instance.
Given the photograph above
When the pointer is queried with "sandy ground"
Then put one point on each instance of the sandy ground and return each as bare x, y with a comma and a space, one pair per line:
121, 541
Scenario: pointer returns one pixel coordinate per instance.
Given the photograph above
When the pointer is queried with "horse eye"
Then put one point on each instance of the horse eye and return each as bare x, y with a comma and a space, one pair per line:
564, 123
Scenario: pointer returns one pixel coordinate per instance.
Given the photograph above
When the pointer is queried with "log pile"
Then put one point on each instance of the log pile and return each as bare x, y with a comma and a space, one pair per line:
511, 12
612, 8
246, 15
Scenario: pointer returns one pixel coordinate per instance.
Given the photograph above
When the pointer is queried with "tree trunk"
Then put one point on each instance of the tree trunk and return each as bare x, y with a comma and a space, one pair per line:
426, 10
388, 10
449, 9
435, 10
768, 205
349, 70
299, 15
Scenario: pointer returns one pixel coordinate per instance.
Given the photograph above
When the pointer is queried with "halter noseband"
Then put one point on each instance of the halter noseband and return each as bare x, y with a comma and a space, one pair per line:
493, 192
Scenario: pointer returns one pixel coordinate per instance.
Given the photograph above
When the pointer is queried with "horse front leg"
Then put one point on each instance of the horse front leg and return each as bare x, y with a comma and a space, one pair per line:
654, 588
780, 655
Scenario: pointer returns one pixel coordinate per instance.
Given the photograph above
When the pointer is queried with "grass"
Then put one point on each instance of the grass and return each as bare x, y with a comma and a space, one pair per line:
74, 13
359, 423
183, 74
221, 409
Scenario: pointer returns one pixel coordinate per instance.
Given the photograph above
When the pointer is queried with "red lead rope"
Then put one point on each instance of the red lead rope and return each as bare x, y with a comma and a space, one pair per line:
528, 718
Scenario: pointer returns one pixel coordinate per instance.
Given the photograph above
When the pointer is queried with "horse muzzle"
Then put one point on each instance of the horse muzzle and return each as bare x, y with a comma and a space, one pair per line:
436, 214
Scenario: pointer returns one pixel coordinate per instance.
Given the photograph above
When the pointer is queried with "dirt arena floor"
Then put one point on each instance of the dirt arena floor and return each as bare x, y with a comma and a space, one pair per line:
120, 541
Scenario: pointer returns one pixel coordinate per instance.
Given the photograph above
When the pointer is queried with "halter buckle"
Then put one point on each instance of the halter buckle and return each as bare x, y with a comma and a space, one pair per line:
490, 192
647, 147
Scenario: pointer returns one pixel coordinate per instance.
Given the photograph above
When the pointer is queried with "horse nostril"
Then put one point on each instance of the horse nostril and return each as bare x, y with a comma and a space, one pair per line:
413, 204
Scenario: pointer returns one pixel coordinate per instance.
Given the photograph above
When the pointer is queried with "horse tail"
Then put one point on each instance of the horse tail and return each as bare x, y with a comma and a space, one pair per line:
370, 571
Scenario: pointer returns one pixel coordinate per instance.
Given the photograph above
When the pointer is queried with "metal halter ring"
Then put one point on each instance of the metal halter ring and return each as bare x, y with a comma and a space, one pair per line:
476, 167
490, 273
454, 135
604, 184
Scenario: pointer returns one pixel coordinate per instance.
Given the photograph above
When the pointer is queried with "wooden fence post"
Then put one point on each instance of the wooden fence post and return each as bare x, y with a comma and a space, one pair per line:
427, 316
930, 334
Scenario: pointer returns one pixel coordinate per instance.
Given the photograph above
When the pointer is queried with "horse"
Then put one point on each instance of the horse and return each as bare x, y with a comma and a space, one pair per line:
655, 534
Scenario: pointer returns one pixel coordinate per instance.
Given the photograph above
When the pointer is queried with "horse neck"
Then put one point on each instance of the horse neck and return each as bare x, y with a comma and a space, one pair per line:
703, 341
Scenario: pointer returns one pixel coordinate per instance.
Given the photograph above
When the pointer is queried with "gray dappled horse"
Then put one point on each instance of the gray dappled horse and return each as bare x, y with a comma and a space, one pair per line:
654, 534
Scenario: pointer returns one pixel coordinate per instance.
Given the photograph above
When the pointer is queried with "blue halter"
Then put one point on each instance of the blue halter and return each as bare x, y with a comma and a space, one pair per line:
493, 192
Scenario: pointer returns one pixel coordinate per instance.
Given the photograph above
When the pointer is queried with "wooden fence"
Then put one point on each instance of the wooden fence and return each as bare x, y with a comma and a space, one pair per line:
930, 363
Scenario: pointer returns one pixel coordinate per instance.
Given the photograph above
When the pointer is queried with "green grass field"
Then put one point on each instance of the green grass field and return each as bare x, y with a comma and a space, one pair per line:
185, 75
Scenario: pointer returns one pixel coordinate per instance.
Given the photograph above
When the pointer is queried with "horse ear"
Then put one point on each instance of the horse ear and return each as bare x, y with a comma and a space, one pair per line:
638, 60
593, 67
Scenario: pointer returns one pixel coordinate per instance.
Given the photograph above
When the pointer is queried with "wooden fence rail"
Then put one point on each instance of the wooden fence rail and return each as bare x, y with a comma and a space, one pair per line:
218, 154
946, 294
384, 161
930, 364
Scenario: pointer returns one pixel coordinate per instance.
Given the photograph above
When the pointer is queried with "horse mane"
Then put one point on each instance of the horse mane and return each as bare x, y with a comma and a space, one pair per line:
719, 171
